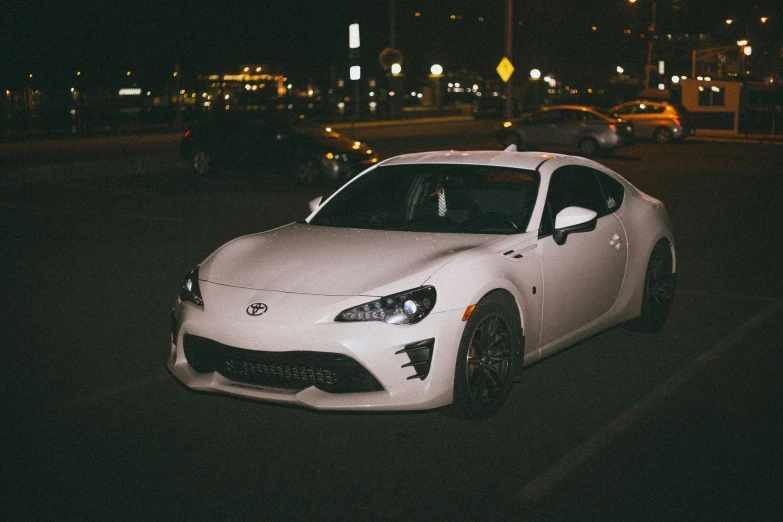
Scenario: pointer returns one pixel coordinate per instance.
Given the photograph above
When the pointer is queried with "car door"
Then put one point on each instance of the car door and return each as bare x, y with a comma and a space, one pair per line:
571, 128
583, 276
542, 128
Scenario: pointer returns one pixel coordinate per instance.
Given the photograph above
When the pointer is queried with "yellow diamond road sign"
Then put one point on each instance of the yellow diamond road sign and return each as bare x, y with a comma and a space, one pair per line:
505, 69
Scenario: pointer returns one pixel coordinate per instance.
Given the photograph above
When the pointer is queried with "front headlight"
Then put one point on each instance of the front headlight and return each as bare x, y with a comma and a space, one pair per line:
407, 307
190, 290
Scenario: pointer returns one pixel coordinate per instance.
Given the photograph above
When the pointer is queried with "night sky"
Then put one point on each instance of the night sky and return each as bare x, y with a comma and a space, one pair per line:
303, 38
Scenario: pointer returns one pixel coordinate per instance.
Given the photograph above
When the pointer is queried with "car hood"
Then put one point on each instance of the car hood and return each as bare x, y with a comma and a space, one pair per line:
309, 259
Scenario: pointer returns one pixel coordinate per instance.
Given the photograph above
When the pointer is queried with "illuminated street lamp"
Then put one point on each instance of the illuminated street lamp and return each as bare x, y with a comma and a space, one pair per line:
436, 73
745, 50
535, 74
396, 69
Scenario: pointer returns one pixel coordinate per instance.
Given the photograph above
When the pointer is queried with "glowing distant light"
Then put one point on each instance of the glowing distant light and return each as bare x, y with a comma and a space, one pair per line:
535, 74
700, 78
127, 73
226, 96
328, 129
258, 69
661, 87
356, 72
764, 19
396, 68
132, 91
594, 28
175, 74
729, 21
620, 70
747, 50
417, 14
675, 79
552, 83
78, 73
353, 36
715, 89
453, 17
436, 69
246, 69
707, 79
72, 89
742, 43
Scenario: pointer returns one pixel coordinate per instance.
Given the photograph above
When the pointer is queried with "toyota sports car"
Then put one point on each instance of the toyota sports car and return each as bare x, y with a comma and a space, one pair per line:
427, 281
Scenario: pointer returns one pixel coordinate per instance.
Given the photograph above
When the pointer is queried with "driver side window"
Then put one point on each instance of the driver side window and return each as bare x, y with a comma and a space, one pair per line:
571, 186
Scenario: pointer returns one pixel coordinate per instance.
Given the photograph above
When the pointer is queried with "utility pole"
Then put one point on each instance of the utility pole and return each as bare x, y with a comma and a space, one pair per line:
650, 48
508, 109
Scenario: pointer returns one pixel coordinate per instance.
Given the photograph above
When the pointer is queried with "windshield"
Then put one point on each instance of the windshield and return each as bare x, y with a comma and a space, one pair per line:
435, 198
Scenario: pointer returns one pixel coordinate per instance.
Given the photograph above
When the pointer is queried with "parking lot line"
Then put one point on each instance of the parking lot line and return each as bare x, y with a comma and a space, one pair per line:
541, 485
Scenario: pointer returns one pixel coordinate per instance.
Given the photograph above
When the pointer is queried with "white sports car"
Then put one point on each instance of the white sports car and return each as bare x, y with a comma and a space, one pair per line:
427, 281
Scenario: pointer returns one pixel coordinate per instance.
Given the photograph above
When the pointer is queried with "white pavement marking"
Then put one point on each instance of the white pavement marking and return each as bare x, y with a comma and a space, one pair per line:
541, 485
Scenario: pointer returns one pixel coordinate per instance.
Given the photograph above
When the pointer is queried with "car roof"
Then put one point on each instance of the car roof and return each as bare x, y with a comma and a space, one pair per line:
496, 158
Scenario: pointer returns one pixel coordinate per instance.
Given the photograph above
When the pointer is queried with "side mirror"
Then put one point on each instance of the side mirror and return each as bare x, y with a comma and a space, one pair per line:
573, 219
315, 203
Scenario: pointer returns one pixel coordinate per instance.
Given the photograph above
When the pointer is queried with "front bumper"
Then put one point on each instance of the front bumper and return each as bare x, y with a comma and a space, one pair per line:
296, 353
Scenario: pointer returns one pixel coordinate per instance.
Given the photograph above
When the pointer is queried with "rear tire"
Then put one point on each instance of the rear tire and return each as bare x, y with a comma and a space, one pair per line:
588, 147
203, 163
487, 360
658, 294
308, 172
662, 135
511, 139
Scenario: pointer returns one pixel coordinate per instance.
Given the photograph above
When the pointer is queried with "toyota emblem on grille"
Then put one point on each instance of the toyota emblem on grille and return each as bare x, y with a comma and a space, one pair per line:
256, 309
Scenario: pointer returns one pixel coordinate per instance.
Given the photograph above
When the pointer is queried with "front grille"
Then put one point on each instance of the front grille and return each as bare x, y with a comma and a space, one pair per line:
296, 370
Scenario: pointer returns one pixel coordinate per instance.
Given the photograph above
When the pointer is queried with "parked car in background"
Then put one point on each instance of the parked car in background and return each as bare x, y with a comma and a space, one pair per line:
266, 144
589, 130
656, 120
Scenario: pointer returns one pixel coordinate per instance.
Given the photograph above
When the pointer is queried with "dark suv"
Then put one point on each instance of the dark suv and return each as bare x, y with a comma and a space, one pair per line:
263, 143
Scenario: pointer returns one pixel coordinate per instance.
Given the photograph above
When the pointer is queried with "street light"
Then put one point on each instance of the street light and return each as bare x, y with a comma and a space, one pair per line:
436, 73
745, 50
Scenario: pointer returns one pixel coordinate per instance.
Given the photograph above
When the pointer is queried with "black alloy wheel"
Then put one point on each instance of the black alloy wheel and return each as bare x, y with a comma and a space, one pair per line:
658, 294
486, 362
203, 164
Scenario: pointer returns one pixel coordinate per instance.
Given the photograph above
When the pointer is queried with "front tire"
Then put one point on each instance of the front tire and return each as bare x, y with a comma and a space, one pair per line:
487, 361
658, 294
